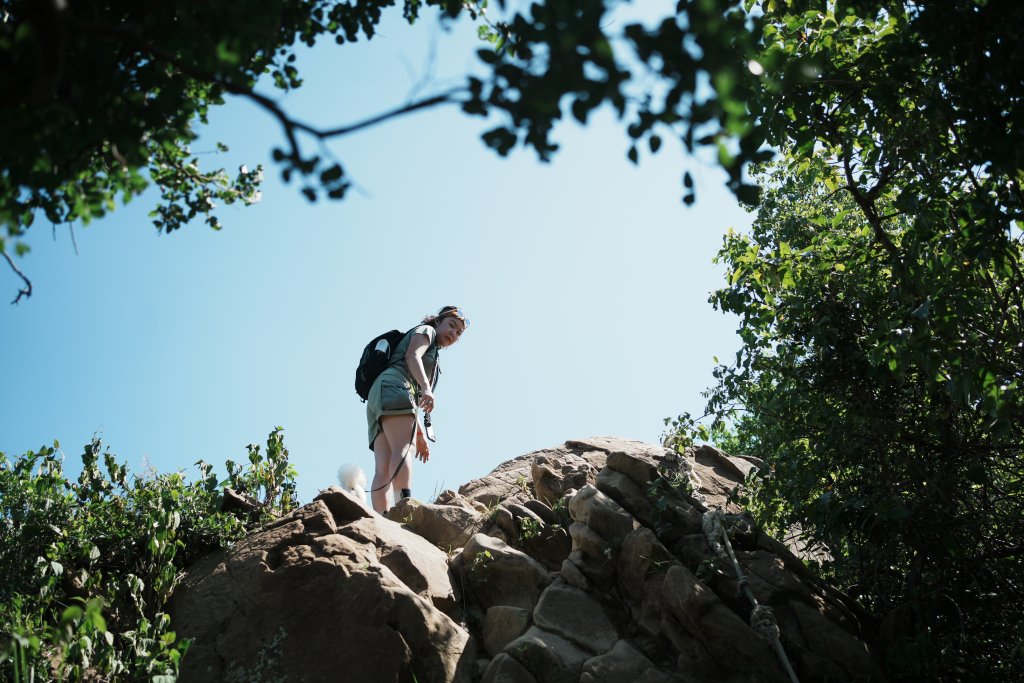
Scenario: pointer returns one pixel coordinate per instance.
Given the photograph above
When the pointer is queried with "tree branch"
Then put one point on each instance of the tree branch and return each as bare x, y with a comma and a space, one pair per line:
27, 290
442, 98
290, 125
868, 208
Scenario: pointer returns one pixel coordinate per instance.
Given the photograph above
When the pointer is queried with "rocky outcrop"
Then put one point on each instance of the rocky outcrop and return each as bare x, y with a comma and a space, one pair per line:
577, 564
331, 592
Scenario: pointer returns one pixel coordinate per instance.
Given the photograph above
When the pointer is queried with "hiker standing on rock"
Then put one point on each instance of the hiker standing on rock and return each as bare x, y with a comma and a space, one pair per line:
407, 382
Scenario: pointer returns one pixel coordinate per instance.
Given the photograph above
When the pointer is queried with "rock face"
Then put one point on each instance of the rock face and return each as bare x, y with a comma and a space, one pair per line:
329, 593
584, 563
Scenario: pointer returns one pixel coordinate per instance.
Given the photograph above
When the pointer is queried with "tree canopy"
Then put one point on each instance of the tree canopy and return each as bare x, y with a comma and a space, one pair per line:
101, 101
132, 82
879, 296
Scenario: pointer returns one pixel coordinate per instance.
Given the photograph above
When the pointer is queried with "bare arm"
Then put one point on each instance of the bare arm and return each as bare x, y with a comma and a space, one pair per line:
414, 361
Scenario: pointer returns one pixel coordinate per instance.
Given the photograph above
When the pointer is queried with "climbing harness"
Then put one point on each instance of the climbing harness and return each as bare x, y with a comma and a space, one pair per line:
762, 617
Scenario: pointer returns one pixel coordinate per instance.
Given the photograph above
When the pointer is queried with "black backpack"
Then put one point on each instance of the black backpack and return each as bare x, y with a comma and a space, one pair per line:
374, 359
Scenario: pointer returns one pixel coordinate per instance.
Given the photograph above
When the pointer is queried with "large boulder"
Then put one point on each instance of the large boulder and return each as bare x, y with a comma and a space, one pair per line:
602, 514
576, 616
555, 475
290, 598
416, 562
446, 526
494, 573
504, 669
508, 481
592, 555
719, 474
624, 663
726, 638
502, 625
549, 657
547, 474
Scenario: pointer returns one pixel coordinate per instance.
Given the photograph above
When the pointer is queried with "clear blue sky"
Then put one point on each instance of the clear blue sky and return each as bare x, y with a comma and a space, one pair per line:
586, 281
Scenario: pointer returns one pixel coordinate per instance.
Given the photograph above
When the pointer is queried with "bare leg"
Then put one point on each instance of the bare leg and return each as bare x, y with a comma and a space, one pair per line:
398, 430
381, 473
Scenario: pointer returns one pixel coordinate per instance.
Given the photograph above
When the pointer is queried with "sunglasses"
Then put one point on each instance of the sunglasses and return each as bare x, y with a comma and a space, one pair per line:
454, 312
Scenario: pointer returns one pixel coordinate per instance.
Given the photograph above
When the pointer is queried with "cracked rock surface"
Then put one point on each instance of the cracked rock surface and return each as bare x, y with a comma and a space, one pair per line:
582, 563
323, 597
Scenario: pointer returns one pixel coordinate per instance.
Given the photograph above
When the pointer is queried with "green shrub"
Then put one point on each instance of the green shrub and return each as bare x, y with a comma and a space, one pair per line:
87, 566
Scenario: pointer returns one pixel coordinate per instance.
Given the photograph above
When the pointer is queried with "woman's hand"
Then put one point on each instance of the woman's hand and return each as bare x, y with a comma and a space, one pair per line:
427, 400
422, 449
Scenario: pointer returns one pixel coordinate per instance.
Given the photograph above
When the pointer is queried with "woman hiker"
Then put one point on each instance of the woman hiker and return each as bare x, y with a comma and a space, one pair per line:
406, 383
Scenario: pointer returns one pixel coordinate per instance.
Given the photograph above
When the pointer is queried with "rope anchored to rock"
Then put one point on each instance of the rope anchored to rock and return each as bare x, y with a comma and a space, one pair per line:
762, 617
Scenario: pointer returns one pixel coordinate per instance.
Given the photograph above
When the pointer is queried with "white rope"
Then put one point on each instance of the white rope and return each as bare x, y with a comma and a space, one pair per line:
762, 620
714, 530
762, 617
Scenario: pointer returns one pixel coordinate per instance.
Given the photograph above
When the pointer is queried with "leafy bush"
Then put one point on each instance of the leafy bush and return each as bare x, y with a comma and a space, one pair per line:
884, 397
87, 566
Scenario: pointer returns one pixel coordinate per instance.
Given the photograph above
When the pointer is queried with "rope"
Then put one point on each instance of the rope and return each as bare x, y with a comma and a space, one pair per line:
762, 617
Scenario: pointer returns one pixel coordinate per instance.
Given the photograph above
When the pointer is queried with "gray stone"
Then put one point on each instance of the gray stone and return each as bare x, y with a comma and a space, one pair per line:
693, 657
502, 625
554, 475
655, 676
834, 644
627, 494
767, 576
692, 549
334, 576
549, 544
494, 531
497, 574
243, 504
523, 512
446, 526
730, 642
542, 511
740, 467
642, 565
639, 469
449, 497
573, 576
718, 476
549, 657
343, 505
288, 599
685, 517
508, 481
594, 556
624, 663
612, 444
575, 616
602, 514
504, 520
315, 519
504, 669
417, 562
